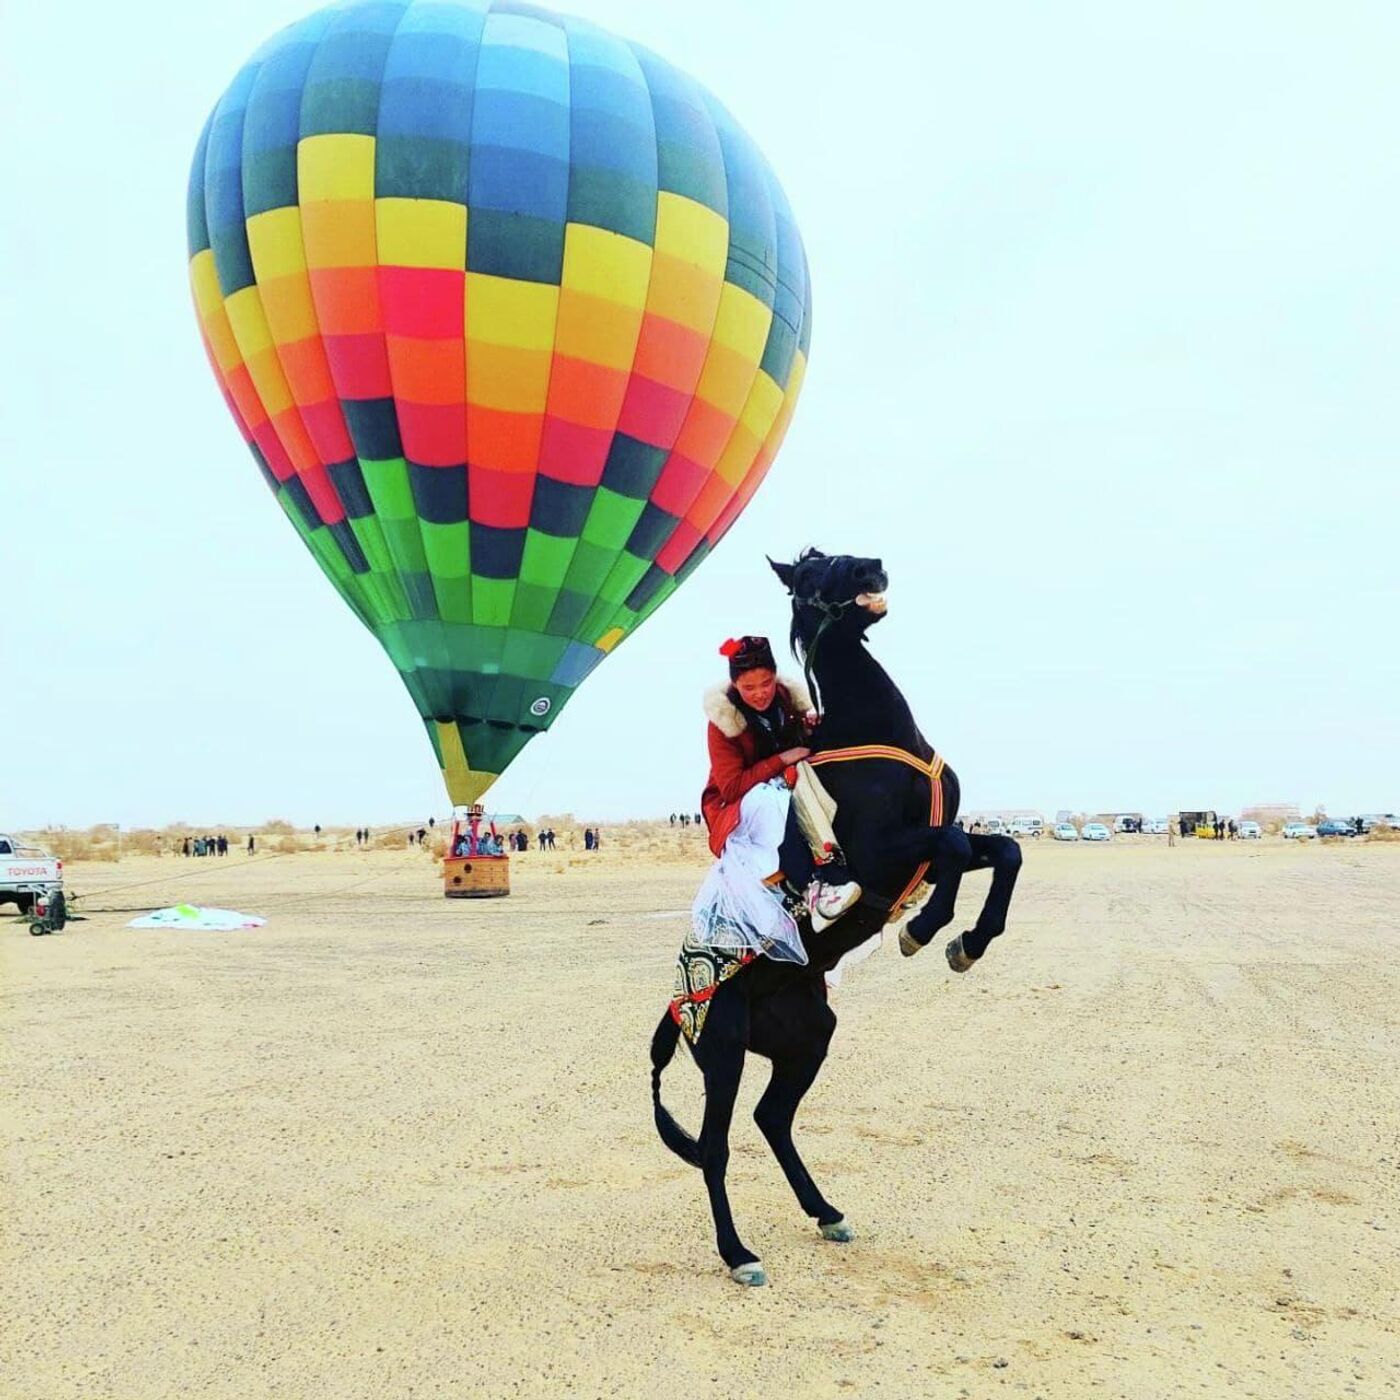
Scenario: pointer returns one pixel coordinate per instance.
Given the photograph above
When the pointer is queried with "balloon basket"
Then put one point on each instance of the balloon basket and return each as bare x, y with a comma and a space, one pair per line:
475, 877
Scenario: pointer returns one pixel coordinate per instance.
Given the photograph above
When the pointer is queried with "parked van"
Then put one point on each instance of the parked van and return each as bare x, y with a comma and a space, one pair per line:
1026, 826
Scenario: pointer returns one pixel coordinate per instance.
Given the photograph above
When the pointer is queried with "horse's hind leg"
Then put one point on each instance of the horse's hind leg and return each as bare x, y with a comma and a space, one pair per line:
722, 1060
1002, 856
796, 1063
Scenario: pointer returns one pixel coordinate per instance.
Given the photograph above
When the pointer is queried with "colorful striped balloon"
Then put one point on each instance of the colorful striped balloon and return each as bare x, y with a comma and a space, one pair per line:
513, 317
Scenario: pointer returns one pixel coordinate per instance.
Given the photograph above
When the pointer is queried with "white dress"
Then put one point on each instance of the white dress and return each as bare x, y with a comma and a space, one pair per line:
735, 911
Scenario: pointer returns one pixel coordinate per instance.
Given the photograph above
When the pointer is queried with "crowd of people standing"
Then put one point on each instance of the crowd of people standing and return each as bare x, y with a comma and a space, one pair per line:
208, 846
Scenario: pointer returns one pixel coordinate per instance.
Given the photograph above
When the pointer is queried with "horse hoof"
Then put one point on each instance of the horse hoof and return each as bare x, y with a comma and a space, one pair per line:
908, 945
838, 1232
958, 958
750, 1275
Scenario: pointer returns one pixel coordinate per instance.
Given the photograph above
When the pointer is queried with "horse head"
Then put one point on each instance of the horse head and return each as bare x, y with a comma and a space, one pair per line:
833, 596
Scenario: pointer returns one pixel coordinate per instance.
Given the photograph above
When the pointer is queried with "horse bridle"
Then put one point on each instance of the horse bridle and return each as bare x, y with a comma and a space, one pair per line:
831, 612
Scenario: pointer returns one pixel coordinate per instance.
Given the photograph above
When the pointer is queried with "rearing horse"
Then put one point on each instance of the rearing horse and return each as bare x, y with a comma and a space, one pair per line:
896, 804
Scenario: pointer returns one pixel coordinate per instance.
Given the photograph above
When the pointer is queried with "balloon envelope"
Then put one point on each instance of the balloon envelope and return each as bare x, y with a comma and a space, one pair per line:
513, 317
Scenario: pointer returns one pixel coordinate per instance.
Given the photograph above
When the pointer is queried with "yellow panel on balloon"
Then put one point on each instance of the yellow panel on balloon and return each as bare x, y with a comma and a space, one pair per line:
421, 233
504, 311
506, 377
726, 379
213, 319
684, 293
275, 241
691, 232
291, 314
245, 315
743, 322
596, 330
336, 167
339, 233
606, 265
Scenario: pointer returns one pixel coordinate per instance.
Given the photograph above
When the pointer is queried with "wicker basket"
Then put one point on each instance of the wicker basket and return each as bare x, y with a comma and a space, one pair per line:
475, 877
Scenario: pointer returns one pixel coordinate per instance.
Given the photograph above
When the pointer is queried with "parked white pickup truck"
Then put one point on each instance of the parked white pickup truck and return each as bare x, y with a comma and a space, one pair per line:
27, 874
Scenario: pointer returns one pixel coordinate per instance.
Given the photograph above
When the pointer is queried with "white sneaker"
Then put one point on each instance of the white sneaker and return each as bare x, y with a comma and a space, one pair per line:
826, 903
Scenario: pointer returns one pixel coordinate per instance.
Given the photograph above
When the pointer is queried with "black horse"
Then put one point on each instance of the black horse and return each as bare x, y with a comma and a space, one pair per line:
896, 805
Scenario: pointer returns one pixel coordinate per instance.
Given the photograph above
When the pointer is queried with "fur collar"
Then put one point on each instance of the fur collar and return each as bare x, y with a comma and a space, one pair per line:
726, 716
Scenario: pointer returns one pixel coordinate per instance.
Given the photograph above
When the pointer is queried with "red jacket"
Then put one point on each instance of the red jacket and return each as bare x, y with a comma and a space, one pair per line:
735, 767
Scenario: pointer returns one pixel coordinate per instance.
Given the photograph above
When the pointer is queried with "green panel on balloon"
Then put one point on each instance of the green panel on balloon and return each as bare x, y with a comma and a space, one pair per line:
491, 600
467, 427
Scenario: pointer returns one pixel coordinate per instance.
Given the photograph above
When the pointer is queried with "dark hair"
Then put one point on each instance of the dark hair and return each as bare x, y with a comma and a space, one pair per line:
748, 654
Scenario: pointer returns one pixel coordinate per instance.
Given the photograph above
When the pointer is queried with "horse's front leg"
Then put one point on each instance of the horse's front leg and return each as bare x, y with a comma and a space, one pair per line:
1002, 856
948, 851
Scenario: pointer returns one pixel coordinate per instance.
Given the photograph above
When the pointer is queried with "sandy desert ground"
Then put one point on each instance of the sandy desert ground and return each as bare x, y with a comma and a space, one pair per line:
391, 1146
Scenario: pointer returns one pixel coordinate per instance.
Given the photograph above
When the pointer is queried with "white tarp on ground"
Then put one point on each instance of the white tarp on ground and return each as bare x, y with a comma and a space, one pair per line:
190, 916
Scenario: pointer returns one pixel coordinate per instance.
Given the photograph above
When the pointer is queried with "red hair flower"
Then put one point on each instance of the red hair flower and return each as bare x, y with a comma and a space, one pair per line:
732, 647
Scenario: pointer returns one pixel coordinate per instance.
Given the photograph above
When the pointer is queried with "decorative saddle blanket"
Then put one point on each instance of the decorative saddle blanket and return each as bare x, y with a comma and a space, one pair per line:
700, 970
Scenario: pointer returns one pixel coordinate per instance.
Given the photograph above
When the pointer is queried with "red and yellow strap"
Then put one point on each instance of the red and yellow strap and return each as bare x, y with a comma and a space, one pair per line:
932, 769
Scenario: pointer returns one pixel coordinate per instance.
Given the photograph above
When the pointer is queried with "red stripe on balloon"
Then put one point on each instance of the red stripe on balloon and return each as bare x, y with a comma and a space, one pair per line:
424, 302
678, 548
326, 425
360, 366
433, 434
278, 463
572, 453
652, 412
675, 488
501, 498
323, 495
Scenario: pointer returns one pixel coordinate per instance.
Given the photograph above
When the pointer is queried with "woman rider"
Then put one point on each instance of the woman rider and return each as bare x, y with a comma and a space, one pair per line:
759, 724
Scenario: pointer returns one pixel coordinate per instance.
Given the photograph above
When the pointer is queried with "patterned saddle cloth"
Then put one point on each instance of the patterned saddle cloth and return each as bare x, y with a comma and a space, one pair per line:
700, 970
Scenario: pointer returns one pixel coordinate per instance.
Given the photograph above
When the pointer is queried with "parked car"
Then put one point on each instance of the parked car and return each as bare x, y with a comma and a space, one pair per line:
1251, 831
1066, 831
1375, 819
1094, 831
28, 875
1299, 831
1157, 826
1026, 826
1333, 826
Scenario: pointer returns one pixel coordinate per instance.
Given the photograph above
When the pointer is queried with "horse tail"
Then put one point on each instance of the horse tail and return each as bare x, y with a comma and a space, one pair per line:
663, 1047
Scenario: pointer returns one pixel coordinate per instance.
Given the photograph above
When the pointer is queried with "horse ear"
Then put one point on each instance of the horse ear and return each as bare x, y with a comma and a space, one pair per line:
784, 573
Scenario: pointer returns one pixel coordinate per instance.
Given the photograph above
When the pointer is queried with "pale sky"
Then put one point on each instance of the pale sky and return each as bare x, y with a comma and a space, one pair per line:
1103, 366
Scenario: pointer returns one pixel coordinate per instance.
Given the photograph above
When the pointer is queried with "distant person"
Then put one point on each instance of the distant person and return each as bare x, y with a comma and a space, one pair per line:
422, 835
587, 839
551, 838
673, 819
539, 837
185, 846
317, 828
432, 821
252, 845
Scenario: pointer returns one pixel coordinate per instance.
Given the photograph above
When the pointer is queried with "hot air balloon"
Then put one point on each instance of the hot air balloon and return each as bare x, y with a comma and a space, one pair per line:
513, 317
